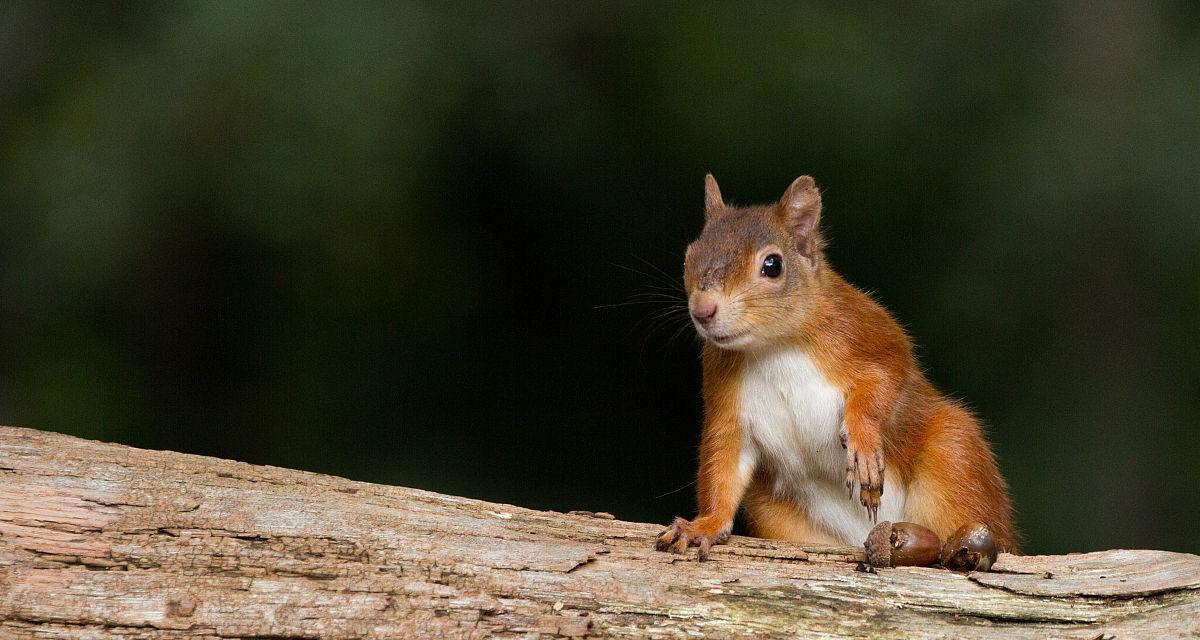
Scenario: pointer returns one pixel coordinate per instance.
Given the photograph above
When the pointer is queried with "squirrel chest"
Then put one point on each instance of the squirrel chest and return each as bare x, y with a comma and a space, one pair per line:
791, 417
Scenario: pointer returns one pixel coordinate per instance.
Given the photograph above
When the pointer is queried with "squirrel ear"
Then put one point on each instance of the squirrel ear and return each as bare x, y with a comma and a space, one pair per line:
800, 207
713, 204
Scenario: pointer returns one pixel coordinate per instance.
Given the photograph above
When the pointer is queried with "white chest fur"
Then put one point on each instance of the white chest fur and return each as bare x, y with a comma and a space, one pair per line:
791, 418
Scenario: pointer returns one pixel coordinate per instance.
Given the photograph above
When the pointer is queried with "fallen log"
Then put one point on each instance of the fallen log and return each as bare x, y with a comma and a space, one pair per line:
107, 541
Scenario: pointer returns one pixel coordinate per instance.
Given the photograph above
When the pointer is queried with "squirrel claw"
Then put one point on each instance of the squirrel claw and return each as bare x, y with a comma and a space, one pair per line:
683, 534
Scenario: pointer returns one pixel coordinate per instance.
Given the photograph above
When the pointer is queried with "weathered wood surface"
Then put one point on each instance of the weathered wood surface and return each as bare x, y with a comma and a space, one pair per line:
105, 541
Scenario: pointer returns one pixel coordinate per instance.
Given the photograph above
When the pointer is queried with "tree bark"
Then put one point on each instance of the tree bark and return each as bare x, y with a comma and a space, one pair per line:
106, 541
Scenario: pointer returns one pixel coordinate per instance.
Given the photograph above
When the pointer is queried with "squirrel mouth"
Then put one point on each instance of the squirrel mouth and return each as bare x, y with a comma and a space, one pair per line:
728, 337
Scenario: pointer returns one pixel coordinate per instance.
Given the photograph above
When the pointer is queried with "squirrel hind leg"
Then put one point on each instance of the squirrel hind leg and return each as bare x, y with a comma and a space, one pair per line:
973, 492
775, 518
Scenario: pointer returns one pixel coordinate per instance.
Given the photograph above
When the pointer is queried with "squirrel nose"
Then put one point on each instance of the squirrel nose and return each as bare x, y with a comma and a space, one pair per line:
704, 310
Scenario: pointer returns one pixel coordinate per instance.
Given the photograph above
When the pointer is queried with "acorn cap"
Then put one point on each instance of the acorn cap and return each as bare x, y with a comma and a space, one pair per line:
879, 545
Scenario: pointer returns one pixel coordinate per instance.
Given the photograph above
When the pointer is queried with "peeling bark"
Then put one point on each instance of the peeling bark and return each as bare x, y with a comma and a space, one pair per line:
105, 541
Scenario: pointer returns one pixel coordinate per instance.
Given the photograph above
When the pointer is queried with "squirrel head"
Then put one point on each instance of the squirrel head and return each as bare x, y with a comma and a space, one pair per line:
752, 275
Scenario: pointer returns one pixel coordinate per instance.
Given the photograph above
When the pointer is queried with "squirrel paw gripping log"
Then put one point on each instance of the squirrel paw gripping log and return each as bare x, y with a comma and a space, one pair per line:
700, 533
811, 390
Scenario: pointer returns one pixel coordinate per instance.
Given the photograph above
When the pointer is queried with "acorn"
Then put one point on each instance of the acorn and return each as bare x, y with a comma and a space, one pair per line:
971, 548
901, 544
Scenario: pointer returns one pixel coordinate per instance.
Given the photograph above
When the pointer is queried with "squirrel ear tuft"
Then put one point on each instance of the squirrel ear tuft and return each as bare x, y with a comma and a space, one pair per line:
713, 204
800, 207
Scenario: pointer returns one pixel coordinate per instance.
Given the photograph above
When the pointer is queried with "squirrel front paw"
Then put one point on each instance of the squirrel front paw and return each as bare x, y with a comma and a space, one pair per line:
864, 467
701, 532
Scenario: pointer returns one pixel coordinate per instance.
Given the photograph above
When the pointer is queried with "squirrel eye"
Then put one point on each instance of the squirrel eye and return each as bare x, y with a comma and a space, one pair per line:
772, 266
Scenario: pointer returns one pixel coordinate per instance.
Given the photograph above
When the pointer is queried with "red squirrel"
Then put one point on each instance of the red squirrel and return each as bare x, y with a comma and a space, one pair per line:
811, 392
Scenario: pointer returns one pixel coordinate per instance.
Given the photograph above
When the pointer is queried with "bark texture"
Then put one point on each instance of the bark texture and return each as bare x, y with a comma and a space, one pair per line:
105, 541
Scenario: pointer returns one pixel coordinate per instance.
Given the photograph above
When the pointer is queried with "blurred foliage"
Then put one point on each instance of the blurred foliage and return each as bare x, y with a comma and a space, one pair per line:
370, 239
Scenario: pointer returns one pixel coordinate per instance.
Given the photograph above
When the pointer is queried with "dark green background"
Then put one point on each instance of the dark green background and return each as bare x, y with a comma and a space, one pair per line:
370, 239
